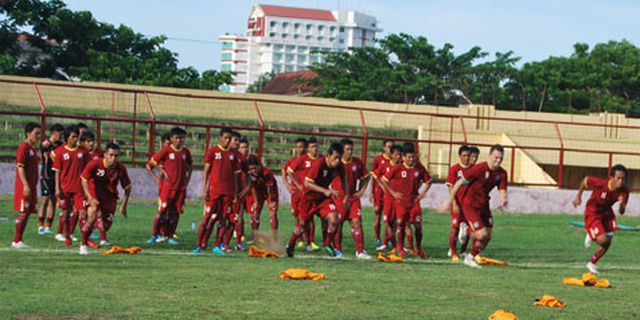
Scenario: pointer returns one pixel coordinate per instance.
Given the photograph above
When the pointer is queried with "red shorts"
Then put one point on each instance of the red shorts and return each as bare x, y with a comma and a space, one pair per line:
73, 200
378, 201
477, 218
598, 224
24, 204
107, 208
456, 217
219, 205
169, 197
411, 214
388, 212
295, 203
321, 207
353, 211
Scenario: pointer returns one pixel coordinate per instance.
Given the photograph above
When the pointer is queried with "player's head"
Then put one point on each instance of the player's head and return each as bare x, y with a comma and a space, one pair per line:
166, 139
312, 147
71, 134
334, 154
474, 152
496, 154
408, 154
347, 146
87, 140
395, 153
56, 132
176, 135
254, 166
235, 139
618, 176
82, 128
111, 153
32, 131
463, 153
386, 146
301, 146
225, 137
243, 147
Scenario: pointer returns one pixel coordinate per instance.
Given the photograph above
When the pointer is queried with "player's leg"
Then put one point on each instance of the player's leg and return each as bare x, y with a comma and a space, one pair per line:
604, 242
453, 234
402, 217
300, 228
377, 216
42, 213
50, 204
332, 222
416, 223
91, 216
273, 219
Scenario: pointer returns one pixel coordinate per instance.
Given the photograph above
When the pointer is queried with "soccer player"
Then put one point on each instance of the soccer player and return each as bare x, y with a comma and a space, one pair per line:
297, 172
25, 194
320, 198
219, 190
68, 162
403, 183
47, 179
263, 188
464, 232
100, 180
455, 173
388, 216
474, 152
82, 128
599, 218
300, 149
479, 181
159, 180
88, 141
380, 160
236, 219
356, 179
174, 162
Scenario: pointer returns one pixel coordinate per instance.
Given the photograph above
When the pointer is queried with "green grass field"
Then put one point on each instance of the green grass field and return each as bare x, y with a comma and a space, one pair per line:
50, 281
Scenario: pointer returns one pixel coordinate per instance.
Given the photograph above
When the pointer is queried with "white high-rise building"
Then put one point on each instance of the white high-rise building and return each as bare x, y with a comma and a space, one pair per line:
284, 39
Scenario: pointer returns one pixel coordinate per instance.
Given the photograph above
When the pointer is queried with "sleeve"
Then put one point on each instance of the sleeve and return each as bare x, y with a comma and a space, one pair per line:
502, 186
189, 158
426, 177
88, 171
57, 163
312, 174
451, 177
158, 158
472, 174
293, 166
625, 196
125, 182
375, 164
238, 164
594, 183
208, 157
21, 155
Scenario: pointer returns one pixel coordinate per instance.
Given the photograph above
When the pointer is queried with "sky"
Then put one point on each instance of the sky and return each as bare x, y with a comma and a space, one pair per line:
533, 29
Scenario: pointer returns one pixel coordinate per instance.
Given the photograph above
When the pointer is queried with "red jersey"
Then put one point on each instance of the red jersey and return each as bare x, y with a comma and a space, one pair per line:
27, 157
480, 181
103, 181
455, 173
176, 163
96, 154
381, 171
264, 180
70, 163
602, 198
301, 166
407, 180
379, 161
224, 163
321, 175
354, 170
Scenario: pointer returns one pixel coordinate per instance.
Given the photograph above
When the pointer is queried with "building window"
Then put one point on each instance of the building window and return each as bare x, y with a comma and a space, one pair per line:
332, 28
320, 27
290, 58
309, 26
332, 39
296, 36
277, 68
278, 47
225, 67
296, 25
285, 24
302, 59
307, 38
272, 34
289, 68
277, 57
302, 49
313, 59
226, 56
341, 29
227, 45
284, 35
320, 38
291, 48
273, 23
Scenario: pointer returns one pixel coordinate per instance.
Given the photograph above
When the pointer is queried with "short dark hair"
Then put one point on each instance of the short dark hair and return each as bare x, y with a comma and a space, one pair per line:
312, 140
177, 131
464, 148
224, 130
621, 168
408, 147
69, 130
87, 136
112, 146
335, 148
385, 141
396, 148
303, 140
29, 127
81, 125
496, 147
244, 140
236, 134
166, 136
253, 161
56, 128
474, 149
346, 142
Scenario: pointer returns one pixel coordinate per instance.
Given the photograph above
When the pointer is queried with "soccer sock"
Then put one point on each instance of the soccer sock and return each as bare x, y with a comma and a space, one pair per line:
400, 238
101, 229
48, 222
463, 246
376, 226
222, 230
358, 238
453, 235
330, 235
40, 222
600, 251
418, 232
337, 241
229, 233
86, 232
478, 246
74, 222
62, 220
239, 228
324, 226
409, 235
274, 221
21, 223
156, 224
202, 230
173, 224
67, 226
311, 231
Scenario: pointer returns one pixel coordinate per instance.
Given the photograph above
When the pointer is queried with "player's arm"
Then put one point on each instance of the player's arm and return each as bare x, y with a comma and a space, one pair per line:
125, 201
26, 191
205, 181
285, 180
423, 193
583, 185
311, 185
454, 190
273, 203
384, 182
364, 182
623, 198
93, 202
57, 182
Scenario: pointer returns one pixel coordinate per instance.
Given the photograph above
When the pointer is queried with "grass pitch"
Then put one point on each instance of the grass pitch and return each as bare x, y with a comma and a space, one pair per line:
50, 281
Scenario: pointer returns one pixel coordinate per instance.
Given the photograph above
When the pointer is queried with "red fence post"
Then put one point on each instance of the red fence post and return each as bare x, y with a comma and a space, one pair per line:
99, 132
365, 137
43, 112
152, 126
561, 160
133, 138
261, 134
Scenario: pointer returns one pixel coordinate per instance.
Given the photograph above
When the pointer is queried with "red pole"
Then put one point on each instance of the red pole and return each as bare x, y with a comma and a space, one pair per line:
261, 134
610, 164
513, 163
99, 132
43, 112
152, 126
561, 160
365, 137
133, 139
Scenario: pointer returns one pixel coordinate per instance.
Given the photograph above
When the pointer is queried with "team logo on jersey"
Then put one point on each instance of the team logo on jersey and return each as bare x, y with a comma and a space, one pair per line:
416, 174
460, 174
231, 157
418, 219
486, 175
184, 157
31, 154
354, 168
100, 173
66, 156
404, 174
476, 225
332, 207
172, 156
324, 173
80, 155
603, 195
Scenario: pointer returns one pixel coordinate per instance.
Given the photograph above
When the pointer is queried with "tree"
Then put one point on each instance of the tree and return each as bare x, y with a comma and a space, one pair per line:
262, 81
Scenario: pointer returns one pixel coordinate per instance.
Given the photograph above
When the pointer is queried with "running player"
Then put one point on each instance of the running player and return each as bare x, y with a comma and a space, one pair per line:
599, 218
100, 180
46, 211
479, 181
455, 173
25, 194
377, 194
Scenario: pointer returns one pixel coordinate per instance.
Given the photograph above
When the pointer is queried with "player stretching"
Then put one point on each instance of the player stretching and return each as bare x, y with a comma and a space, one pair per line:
599, 219
403, 183
100, 180
263, 188
380, 160
47, 180
174, 162
319, 198
25, 194
455, 173
479, 181
68, 162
